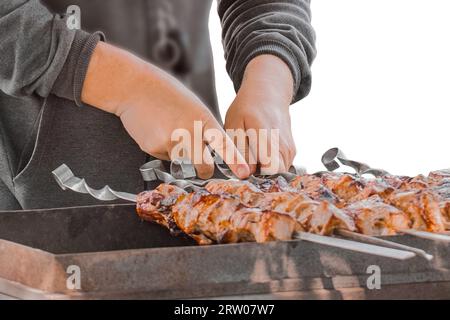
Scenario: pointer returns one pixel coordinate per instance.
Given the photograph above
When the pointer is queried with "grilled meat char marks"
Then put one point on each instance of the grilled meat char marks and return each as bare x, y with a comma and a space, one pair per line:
315, 216
422, 208
314, 187
210, 218
439, 177
374, 217
156, 205
228, 211
341, 189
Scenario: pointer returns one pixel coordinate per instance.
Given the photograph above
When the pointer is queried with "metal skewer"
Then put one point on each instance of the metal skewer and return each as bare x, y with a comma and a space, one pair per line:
382, 242
67, 180
331, 159
426, 235
356, 246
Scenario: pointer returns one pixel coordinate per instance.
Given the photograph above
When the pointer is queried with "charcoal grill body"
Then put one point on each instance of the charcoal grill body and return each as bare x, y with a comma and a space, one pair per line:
120, 256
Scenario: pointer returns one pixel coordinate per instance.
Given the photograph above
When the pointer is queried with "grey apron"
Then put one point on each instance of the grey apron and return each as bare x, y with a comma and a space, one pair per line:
94, 143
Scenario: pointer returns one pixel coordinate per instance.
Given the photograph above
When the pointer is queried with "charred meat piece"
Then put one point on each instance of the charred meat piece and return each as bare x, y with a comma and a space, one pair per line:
156, 205
419, 182
338, 188
443, 191
286, 202
374, 187
374, 217
439, 177
405, 183
313, 186
314, 216
262, 226
445, 210
210, 218
422, 208
278, 184
341, 189
395, 182
249, 194
323, 217
347, 187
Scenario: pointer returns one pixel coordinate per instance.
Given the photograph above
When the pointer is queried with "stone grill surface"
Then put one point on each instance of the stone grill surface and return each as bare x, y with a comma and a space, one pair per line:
121, 256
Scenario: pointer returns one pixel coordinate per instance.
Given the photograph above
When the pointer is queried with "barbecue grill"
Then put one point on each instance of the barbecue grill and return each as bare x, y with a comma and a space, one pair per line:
120, 256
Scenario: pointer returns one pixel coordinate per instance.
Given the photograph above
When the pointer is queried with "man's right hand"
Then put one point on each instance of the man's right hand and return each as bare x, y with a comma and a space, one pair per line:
153, 106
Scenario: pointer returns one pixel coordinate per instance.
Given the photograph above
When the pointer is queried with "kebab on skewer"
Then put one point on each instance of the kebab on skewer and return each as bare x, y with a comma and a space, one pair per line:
211, 218
425, 200
370, 216
272, 209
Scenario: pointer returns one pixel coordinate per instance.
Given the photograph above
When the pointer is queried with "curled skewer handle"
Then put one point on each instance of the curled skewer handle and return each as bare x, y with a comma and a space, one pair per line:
67, 180
182, 173
332, 157
356, 246
382, 242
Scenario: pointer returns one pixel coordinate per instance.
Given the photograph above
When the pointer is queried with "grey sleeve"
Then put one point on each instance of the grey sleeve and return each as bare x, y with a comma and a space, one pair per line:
282, 28
37, 48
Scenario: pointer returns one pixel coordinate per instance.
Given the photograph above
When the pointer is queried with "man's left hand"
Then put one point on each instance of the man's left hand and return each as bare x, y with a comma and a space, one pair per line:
263, 102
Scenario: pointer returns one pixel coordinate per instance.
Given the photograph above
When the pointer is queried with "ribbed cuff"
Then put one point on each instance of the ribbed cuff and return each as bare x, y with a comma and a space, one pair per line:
69, 83
272, 47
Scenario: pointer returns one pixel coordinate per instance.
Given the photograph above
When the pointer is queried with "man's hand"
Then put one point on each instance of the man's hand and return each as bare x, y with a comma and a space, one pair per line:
153, 107
263, 102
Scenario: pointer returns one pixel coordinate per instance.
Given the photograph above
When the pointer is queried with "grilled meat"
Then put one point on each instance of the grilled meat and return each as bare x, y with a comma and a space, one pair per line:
422, 208
341, 189
273, 185
314, 216
439, 177
314, 187
249, 194
210, 218
445, 211
156, 205
374, 217
227, 211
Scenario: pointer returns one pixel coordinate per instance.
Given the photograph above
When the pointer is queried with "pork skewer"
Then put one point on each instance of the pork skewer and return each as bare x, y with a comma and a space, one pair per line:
210, 218
372, 216
367, 213
369, 216
306, 209
319, 217
391, 189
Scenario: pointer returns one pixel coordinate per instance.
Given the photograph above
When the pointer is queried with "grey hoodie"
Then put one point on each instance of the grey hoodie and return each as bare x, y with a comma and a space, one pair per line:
43, 122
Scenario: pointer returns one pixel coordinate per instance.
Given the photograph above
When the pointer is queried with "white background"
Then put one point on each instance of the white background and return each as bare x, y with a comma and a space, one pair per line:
380, 84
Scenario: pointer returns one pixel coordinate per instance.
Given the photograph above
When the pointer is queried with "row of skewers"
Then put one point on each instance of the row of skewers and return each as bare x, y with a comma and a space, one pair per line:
321, 207
230, 211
